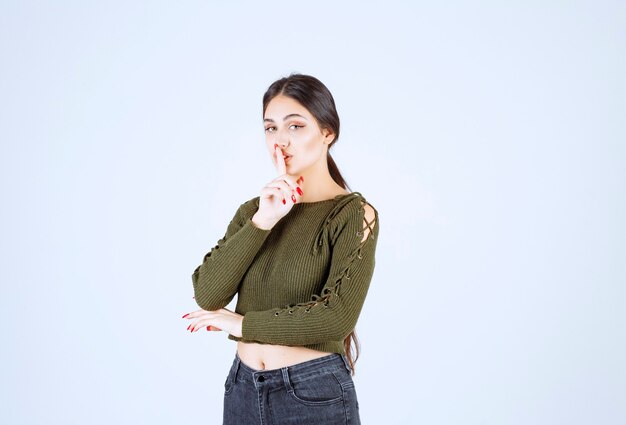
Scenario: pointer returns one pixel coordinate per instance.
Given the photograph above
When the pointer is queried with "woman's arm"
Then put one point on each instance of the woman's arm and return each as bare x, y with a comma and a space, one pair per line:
333, 314
217, 279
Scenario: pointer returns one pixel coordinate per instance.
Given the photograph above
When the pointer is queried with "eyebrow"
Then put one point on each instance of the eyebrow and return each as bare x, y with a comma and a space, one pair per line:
286, 116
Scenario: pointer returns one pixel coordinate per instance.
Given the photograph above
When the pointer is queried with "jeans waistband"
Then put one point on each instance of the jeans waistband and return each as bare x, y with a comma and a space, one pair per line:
296, 372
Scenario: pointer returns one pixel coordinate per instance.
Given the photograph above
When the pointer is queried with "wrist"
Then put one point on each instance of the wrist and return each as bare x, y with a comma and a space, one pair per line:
262, 223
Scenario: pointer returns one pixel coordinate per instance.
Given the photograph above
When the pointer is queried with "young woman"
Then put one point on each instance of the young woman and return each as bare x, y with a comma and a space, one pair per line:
300, 256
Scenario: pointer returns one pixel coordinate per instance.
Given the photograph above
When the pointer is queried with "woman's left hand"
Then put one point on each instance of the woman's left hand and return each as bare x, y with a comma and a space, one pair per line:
220, 320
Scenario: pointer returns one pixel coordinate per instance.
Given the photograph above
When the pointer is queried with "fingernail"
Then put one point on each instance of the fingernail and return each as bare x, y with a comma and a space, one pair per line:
284, 203
188, 326
185, 315
299, 190
301, 177
293, 198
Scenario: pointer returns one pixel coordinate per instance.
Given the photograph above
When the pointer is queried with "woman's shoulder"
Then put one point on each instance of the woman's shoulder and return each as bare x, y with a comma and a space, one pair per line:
357, 212
361, 203
366, 212
351, 214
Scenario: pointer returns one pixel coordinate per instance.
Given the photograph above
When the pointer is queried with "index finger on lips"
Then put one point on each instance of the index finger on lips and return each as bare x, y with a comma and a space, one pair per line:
280, 161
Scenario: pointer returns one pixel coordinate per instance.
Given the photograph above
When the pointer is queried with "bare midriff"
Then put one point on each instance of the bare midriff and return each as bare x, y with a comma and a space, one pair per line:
269, 356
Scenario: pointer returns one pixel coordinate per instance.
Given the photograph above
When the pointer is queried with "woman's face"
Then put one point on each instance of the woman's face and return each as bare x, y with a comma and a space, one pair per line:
288, 124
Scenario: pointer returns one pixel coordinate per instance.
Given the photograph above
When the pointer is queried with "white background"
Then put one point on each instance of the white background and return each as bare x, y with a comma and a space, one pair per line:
490, 136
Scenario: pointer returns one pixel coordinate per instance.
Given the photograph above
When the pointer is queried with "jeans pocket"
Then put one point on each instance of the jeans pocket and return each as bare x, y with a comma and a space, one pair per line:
318, 390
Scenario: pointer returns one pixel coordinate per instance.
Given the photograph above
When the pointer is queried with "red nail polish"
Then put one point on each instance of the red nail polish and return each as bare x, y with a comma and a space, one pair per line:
302, 178
188, 326
293, 198
284, 201
299, 190
185, 315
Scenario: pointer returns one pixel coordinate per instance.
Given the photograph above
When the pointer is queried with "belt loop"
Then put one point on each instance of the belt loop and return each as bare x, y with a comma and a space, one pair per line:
237, 363
345, 361
286, 379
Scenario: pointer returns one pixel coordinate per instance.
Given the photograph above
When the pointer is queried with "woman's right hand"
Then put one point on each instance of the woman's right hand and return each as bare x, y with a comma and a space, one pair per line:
278, 196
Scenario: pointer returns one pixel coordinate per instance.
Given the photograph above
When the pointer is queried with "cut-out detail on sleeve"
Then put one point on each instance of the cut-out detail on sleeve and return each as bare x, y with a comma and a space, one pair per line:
332, 314
369, 220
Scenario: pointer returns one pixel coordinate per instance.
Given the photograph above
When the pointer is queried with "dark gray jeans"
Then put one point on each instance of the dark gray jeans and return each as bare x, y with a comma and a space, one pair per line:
318, 391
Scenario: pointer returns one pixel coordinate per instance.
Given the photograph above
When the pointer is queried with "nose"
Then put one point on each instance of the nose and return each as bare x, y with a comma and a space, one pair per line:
281, 139
282, 142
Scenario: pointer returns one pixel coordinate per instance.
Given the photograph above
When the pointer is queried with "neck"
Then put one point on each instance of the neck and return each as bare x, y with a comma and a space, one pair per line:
319, 185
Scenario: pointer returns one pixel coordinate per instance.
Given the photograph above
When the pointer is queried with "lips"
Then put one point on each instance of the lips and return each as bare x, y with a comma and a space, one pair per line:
285, 155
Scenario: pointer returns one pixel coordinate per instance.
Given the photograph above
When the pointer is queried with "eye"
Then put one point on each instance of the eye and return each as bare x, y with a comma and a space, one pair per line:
292, 125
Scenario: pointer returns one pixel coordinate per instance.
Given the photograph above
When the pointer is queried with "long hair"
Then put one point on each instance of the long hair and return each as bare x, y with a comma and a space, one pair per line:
312, 94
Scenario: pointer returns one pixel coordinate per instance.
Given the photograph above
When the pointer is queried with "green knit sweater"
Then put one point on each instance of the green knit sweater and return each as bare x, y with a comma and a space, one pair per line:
301, 283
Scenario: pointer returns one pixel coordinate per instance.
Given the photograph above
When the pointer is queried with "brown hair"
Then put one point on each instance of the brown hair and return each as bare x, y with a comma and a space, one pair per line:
317, 99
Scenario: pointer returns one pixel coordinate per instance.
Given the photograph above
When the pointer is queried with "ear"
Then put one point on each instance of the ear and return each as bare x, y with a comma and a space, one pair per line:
329, 136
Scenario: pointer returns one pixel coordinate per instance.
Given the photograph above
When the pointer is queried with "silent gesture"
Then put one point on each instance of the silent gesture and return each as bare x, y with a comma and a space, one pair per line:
279, 195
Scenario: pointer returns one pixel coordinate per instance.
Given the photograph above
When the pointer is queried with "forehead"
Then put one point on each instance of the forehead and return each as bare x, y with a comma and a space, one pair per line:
281, 106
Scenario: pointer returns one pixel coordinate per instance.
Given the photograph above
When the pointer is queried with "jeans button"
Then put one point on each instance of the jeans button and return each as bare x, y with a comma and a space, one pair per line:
261, 378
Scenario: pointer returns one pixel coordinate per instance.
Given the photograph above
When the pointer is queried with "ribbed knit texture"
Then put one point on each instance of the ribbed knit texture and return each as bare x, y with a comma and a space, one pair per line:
301, 283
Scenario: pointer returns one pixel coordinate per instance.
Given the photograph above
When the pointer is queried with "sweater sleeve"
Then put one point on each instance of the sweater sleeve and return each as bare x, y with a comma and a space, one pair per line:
333, 314
217, 279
